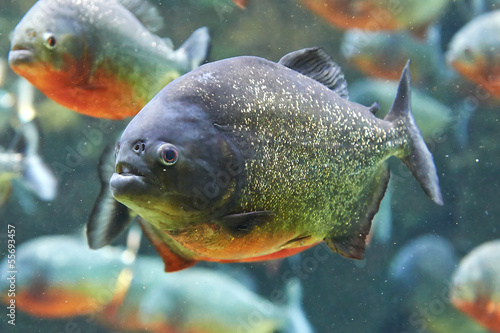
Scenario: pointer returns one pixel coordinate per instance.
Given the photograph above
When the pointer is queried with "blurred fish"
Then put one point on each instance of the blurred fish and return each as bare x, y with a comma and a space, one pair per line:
474, 52
62, 277
374, 15
476, 285
100, 57
382, 54
25, 165
247, 160
241, 3
21, 161
431, 116
426, 259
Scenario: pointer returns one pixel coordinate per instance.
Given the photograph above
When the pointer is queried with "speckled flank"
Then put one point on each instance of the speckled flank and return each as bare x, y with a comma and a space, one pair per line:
309, 155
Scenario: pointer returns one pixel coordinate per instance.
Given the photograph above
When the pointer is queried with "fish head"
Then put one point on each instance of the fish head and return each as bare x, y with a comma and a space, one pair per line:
174, 166
48, 43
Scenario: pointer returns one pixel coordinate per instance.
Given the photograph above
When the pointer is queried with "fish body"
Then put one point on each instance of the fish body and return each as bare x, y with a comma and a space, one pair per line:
376, 15
474, 51
475, 287
380, 54
62, 277
245, 159
97, 57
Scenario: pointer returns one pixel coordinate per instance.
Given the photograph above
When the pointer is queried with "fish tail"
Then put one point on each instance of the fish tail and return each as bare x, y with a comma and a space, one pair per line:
297, 320
416, 157
196, 48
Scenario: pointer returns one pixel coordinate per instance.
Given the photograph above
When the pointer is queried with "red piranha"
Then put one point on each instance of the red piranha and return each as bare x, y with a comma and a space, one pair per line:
100, 57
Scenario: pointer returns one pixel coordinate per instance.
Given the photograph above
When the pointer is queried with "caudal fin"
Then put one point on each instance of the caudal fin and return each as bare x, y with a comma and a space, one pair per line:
418, 158
196, 48
297, 320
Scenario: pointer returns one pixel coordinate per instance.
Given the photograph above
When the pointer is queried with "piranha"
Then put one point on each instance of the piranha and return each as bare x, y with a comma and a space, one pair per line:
474, 52
63, 278
475, 287
100, 57
375, 15
245, 159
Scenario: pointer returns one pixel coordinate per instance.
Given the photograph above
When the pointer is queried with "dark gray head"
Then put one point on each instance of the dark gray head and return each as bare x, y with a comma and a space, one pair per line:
174, 165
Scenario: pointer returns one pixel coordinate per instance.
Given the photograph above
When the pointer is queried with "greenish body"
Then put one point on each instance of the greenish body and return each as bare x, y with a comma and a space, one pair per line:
98, 57
270, 161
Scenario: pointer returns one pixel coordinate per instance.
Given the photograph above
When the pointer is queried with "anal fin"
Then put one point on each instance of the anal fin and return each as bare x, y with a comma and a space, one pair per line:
169, 250
351, 244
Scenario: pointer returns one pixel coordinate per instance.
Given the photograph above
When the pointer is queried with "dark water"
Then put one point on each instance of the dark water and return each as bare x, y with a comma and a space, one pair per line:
340, 295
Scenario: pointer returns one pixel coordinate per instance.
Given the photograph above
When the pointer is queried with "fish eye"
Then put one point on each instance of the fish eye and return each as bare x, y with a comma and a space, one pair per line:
168, 154
50, 41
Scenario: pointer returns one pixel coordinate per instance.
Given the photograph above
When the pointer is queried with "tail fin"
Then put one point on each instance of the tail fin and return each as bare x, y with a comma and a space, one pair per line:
196, 48
419, 159
297, 320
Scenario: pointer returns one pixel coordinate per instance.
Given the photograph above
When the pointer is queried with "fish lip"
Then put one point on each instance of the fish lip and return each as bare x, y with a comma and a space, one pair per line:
127, 170
20, 55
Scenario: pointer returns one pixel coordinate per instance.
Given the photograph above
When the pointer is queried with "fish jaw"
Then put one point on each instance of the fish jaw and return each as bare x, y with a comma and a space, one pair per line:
20, 56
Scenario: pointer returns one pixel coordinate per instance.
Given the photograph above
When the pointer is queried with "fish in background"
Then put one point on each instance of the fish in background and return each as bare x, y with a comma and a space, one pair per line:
476, 285
60, 277
474, 52
382, 54
248, 160
21, 162
100, 57
374, 15
420, 273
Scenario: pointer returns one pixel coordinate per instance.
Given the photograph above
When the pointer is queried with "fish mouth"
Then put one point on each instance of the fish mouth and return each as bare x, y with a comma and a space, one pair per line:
19, 55
128, 181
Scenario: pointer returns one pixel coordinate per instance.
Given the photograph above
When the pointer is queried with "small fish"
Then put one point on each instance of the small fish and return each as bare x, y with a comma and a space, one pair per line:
474, 52
375, 15
100, 57
476, 285
61, 278
381, 54
241, 3
245, 159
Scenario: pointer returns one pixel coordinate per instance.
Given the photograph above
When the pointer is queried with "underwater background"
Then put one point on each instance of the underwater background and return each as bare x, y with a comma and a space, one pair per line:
339, 295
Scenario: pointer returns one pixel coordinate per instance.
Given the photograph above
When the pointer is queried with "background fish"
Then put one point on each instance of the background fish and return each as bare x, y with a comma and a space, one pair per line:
378, 14
62, 278
98, 57
474, 51
245, 159
476, 285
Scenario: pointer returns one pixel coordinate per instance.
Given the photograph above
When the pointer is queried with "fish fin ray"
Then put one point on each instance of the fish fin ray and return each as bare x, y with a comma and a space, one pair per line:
109, 217
167, 248
196, 47
316, 64
239, 225
145, 12
418, 159
352, 244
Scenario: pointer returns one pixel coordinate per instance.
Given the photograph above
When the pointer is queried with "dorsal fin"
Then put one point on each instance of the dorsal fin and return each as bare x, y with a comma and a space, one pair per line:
145, 12
318, 65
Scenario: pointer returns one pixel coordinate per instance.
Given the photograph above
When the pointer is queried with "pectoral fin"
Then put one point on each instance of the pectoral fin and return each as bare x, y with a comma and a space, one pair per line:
239, 225
350, 243
174, 256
